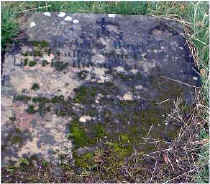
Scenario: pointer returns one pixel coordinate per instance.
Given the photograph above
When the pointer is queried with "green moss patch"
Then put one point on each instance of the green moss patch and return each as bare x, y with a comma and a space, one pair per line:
31, 109
59, 65
85, 94
22, 98
78, 134
85, 161
44, 63
32, 63
41, 44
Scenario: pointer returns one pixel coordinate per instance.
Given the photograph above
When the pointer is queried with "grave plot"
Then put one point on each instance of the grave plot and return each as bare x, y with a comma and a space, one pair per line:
77, 85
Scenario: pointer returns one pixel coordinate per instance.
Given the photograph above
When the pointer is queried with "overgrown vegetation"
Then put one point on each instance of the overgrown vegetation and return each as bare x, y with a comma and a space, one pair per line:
9, 27
190, 153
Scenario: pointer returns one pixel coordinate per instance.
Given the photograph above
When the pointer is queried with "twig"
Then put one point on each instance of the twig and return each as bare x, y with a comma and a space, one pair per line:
163, 101
149, 130
170, 162
178, 81
169, 149
180, 175
175, 19
153, 171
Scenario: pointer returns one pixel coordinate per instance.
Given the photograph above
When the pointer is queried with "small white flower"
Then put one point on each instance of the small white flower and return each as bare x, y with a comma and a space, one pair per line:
61, 14
32, 24
112, 15
68, 18
47, 14
75, 21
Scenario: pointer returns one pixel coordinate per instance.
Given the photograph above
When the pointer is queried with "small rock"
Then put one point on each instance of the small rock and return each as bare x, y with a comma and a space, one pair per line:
112, 15
195, 78
32, 24
68, 18
84, 119
75, 21
134, 71
128, 96
47, 14
98, 97
61, 14
139, 87
119, 69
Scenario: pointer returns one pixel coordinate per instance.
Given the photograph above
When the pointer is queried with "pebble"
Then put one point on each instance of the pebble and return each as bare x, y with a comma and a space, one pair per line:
128, 96
75, 21
32, 24
68, 18
112, 15
84, 119
61, 14
195, 78
139, 87
47, 14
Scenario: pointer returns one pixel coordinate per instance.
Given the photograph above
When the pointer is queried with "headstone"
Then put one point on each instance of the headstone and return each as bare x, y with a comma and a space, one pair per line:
79, 82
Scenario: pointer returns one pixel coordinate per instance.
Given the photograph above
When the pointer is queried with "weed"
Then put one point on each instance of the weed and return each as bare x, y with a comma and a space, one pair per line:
40, 44
85, 161
9, 27
37, 53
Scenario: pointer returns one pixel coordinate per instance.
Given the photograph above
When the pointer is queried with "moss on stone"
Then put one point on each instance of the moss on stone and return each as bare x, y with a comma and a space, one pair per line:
22, 98
40, 100
43, 109
44, 63
31, 109
85, 95
122, 150
85, 161
16, 139
59, 65
78, 134
58, 99
35, 86
32, 63
25, 62
124, 138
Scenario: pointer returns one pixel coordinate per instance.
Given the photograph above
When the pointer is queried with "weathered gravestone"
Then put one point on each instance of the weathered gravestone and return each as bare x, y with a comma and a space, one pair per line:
77, 83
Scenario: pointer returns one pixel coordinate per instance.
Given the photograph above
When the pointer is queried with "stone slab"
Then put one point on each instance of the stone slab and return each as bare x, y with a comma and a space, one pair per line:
118, 71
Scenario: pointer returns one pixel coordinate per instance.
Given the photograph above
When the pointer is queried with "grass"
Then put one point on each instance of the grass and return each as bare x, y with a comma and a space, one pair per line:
194, 15
9, 27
